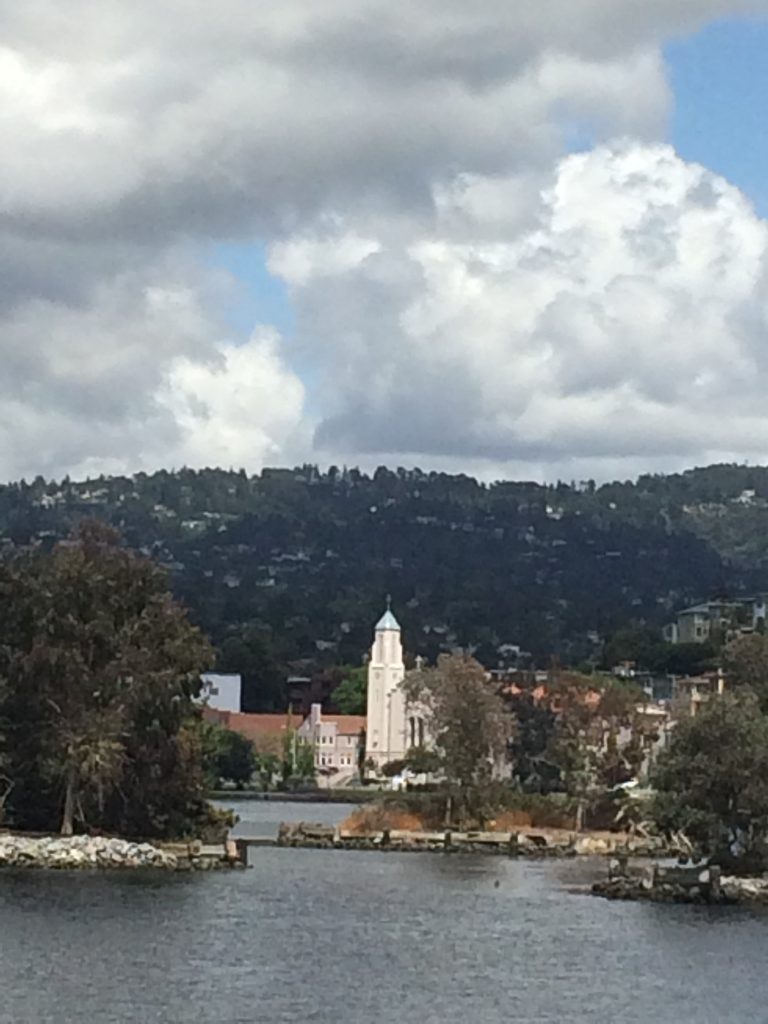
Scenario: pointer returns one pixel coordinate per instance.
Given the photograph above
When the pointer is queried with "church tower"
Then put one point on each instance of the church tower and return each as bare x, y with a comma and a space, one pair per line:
385, 734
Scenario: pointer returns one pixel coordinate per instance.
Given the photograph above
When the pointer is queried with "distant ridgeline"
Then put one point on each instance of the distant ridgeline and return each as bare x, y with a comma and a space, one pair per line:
305, 557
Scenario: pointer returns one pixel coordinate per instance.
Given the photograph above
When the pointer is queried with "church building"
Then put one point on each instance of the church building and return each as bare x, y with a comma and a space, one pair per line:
392, 728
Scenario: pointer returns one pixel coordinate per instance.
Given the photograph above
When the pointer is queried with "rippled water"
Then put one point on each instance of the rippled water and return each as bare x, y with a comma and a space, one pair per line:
343, 937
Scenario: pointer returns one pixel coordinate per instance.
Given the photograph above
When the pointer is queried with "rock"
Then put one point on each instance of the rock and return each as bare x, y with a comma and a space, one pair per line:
745, 890
74, 852
592, 846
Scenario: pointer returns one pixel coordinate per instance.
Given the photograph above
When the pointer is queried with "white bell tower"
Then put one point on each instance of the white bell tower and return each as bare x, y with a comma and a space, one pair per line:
385, 738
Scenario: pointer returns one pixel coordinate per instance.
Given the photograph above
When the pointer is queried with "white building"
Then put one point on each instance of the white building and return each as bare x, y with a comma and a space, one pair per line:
393, 727
221, 692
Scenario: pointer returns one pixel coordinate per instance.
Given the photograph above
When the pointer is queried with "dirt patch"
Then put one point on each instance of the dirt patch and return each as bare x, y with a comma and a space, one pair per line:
506, 821
374, 818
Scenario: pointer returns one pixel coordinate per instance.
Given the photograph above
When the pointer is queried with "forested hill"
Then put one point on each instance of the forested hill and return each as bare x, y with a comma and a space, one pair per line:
306, 558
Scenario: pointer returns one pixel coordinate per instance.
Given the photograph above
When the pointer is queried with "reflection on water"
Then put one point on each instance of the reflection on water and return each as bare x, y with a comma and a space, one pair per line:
346, 937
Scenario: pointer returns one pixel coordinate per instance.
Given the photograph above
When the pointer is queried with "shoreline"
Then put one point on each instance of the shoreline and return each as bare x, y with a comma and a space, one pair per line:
82, 852
692, 884
323, 796
524, 842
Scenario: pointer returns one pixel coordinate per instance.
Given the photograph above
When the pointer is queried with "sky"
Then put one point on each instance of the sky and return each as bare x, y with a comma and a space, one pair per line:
513, 240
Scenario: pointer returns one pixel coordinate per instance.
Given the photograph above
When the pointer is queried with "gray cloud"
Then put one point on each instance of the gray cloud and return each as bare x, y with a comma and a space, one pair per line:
136, 137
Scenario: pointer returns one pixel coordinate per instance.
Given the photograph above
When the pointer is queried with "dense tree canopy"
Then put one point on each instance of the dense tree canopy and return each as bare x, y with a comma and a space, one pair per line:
712, 782
229, 757
292, 565
746, 665
351, 695
99, 669
467, 722
247, 651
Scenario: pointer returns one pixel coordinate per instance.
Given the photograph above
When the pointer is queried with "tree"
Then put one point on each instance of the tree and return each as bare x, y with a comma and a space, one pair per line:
268, 767
468, 724
298, 762
535, 723
230, 757
568, 735
574, 746
248, 651
351, 695
712, 782
6, 783
101, 669
393, 768
423, 761
418, 761
645, 647
745, 661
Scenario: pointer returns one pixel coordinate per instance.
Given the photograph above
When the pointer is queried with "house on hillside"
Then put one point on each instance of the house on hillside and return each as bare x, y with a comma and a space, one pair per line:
701, 622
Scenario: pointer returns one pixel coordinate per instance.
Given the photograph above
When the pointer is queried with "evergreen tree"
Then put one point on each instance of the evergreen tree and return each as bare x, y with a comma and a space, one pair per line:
101, 669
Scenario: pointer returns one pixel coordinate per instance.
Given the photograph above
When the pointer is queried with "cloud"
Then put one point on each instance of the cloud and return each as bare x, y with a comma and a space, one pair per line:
245, 117
392, 157
140, 376
627, 322
244, 409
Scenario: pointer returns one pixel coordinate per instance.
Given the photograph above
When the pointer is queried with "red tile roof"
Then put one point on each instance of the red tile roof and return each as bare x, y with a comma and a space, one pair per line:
262, 730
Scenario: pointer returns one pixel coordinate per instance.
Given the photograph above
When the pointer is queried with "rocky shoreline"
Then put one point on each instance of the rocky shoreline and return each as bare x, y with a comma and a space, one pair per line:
99, 852
526, 842
700, 883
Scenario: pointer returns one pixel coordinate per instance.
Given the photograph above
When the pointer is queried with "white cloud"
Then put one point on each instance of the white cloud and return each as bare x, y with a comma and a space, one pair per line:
627, 322
244, 409
392, 157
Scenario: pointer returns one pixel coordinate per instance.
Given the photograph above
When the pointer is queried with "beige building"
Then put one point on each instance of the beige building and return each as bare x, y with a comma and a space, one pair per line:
336, 741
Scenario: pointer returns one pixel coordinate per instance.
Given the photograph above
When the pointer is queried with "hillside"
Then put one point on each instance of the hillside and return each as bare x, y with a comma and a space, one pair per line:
307, 557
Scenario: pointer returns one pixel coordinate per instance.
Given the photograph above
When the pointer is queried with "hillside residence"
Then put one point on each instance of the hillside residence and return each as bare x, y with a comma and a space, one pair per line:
222, 692
337, 741
697, 624
690, 692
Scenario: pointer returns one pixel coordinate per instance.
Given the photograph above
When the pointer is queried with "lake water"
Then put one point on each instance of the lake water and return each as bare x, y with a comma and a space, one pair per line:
349, 937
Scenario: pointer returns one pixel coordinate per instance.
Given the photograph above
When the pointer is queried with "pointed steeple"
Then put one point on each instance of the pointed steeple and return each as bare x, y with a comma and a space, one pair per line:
388, 620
